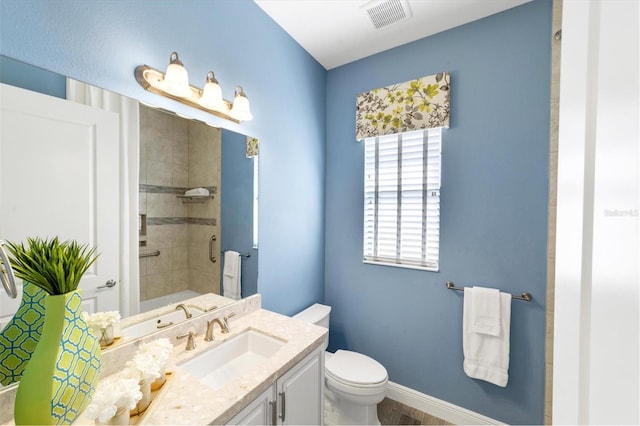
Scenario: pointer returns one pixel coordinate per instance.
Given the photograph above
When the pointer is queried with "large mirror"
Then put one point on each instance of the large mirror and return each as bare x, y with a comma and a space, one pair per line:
197, 199
183, 238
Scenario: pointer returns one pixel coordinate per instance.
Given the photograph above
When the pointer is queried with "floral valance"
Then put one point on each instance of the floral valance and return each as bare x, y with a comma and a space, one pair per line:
417, 104
252, 147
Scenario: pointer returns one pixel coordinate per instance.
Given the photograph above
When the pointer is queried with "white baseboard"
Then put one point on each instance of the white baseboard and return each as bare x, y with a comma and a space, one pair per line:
437, 407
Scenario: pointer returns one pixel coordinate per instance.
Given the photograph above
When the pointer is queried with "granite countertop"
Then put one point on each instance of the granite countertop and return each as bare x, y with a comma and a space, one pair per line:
185, 400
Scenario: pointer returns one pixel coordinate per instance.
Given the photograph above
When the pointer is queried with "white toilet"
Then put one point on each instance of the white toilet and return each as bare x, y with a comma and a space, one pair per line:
358, 383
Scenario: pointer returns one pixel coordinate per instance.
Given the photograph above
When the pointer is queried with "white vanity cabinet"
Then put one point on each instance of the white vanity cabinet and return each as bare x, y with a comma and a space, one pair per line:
296, 398
258, 412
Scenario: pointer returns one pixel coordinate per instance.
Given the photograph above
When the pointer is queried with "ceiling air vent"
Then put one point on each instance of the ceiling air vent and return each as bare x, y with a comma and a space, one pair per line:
386, 12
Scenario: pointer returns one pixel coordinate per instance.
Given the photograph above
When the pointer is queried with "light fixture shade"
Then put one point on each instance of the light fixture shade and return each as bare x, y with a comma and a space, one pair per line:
212, 95
240, 109
176, 79
174, 84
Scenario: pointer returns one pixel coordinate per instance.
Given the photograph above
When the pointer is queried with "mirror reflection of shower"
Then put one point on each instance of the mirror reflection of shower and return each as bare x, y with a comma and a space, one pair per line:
179, 241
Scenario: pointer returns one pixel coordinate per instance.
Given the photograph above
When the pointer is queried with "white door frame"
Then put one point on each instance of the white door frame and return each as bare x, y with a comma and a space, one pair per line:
596, 361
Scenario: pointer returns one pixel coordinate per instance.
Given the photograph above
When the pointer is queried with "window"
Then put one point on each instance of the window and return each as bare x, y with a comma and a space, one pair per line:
402, 199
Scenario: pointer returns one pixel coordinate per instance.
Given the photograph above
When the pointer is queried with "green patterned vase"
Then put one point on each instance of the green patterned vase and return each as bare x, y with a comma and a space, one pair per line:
60, 379
20, 336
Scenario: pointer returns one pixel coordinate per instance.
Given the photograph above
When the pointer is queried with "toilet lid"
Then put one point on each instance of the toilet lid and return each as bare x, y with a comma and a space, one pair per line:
356, 368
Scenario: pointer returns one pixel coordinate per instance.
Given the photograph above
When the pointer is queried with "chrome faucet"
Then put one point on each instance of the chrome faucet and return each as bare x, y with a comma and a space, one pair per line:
185, 309
223, 323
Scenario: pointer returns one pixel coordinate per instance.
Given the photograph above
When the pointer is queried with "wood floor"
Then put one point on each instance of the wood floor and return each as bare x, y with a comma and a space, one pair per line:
392, 412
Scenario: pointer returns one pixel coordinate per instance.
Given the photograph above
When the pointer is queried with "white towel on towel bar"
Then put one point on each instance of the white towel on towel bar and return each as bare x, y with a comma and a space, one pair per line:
486, 311
486, 357
231, 278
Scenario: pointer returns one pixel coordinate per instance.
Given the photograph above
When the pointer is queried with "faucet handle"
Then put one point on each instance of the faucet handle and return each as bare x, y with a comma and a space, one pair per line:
191, 344
225, 321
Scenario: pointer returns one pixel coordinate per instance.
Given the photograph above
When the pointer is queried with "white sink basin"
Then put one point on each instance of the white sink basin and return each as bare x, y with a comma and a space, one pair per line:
158, 323
228, 361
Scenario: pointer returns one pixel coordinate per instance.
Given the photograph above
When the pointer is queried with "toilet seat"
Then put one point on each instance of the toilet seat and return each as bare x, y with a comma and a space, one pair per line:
355, 370
357, 393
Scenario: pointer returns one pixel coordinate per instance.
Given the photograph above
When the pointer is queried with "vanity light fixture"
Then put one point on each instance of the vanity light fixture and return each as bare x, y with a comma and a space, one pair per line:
176, 79
240, 110
174, 84
212, 95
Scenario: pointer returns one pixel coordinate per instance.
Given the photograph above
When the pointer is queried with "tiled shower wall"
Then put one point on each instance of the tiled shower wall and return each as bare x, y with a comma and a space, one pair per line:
177, 154
205, 153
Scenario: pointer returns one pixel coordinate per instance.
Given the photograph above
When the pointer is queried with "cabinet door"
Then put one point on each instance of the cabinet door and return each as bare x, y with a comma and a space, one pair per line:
259, 411
301, 392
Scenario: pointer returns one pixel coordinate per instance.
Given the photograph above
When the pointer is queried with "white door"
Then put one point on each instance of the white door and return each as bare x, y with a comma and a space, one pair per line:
59, 177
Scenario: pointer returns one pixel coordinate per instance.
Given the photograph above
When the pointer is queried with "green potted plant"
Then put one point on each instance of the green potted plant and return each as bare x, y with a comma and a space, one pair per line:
54, 266
60, 378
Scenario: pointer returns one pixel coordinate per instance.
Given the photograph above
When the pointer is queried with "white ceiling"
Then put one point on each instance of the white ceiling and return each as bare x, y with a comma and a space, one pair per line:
336, 32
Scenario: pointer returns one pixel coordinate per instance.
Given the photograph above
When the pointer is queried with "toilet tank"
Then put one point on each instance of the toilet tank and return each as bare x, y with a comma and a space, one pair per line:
317, 314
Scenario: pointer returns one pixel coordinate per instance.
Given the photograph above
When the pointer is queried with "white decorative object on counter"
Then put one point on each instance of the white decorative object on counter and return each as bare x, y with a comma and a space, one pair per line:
113, 394
160, 351
121, 418
143, 404
148, 365
102, 324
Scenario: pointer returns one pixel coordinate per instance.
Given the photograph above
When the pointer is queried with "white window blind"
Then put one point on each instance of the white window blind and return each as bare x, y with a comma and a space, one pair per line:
402, 199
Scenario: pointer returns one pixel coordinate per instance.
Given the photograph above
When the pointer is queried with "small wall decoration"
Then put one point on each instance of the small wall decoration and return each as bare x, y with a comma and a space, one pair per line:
413, 105
252, 147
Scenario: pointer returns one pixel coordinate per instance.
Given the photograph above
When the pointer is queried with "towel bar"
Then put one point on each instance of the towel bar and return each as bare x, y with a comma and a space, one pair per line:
525, 296
150, 254
245, 255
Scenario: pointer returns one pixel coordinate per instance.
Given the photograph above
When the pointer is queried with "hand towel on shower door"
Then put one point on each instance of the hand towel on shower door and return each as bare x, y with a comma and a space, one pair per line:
231, 275
486, 357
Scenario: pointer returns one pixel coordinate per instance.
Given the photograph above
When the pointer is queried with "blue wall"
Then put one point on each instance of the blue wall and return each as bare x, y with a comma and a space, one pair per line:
495, 168
102, 42
236, 222
25, 76
493, 212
